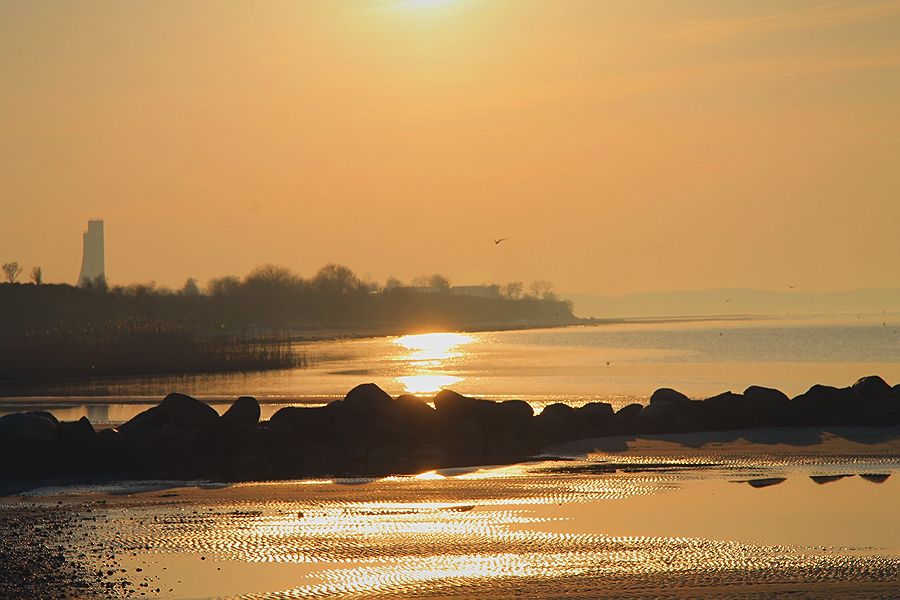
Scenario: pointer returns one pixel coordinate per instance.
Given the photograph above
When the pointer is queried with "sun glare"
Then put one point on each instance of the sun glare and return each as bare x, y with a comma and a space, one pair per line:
413, 4
427, 384
432, 346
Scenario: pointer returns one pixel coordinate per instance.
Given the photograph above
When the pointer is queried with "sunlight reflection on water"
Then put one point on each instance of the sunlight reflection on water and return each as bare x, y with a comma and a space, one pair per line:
429, 354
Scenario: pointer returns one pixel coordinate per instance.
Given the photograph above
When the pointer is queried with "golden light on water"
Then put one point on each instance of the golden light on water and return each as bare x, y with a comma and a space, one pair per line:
427, 355
427, 384
428, 347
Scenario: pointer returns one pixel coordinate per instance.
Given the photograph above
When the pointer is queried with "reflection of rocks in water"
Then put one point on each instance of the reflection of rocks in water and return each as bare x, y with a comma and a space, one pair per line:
766, 482
98, 413
875, 477
822, 479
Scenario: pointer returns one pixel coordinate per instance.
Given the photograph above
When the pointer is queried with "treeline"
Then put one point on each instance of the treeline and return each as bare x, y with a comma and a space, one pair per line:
232, 324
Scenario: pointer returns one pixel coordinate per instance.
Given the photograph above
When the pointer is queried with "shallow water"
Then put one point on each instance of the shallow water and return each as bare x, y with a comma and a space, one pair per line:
670, 521
617, 363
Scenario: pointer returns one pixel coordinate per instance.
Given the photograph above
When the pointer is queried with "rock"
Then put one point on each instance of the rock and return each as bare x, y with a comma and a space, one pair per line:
28, 428
827, 405
657, 418
449, 403
309, 424
629, 411
873, 387
366, 398
516, 410
78, 434
557, 422
594, 418
771, 405
244, 411
727, 411
668, 395
176, 409
44, 415
624, 420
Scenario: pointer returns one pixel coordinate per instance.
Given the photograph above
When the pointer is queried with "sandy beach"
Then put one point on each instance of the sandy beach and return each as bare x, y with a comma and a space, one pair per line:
751, 514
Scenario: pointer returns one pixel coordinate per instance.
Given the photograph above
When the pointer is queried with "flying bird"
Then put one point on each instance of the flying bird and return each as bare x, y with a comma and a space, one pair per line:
497, 242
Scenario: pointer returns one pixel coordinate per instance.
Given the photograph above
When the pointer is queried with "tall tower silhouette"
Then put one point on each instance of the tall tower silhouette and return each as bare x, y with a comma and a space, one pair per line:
93, 263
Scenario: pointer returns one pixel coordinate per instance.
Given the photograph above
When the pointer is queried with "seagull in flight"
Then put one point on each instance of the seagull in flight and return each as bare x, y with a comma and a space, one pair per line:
497, 242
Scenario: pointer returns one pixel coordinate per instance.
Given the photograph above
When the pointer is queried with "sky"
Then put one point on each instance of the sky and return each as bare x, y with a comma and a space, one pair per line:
620, 146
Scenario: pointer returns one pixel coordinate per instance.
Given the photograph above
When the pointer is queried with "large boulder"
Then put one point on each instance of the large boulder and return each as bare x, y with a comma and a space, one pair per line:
557, 422
310, 424
366, 399
76, 435
827, 405
726, 411
770, 405
44, 415
178, 410
594, 418
244, 411
873, 387
657, 418
668, 395
451, 404
27, 427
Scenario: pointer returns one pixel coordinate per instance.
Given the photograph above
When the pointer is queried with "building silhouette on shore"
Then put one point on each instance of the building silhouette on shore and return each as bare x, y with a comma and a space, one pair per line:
93, 262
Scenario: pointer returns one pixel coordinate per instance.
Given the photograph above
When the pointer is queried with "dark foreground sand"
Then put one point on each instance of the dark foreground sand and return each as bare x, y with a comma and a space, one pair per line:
652, 517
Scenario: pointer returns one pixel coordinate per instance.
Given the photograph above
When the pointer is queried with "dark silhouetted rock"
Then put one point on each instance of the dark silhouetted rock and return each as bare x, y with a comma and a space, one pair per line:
44, 415
178, 410
517, 410
827, 405
668, 395
27, 427
366, 398
875, 477
873, 387
770, 406
448, 402
244, 411
657, 418
76, 434
310, 424
557, 422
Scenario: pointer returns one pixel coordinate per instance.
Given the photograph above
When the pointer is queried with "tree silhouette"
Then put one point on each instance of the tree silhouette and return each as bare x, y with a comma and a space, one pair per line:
37, 276
336, 279
12, 270
513, 290
190, 287
542, 290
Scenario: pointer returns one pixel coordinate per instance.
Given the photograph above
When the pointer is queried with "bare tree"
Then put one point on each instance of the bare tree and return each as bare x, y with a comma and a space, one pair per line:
12, 270
392, 283
439, 281
513, 290
37, 276
542, 290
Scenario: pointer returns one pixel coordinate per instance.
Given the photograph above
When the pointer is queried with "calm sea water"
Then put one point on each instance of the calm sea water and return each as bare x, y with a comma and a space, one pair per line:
618, 363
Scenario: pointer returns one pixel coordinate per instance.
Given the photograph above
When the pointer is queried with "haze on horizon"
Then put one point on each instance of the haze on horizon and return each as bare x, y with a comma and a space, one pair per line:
619, 146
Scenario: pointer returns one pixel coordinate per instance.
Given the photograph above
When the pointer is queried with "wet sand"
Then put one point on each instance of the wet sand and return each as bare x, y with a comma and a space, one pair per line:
712, 515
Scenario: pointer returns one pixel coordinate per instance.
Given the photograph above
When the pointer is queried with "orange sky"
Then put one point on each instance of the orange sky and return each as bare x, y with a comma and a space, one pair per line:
620, 146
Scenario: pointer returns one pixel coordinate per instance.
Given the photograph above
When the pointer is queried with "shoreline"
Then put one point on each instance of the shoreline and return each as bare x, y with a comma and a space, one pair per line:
299, 538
